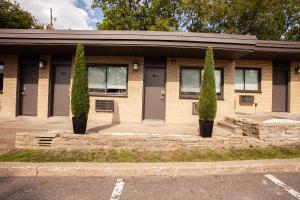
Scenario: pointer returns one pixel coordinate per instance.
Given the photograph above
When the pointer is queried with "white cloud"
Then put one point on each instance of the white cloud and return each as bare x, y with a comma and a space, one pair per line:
67, 13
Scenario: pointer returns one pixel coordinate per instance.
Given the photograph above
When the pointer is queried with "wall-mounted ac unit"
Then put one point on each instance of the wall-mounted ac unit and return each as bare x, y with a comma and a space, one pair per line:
246, 99
104, 106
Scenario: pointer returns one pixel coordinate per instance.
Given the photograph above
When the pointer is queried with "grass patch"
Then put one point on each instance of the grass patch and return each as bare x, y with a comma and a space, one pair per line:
103, 155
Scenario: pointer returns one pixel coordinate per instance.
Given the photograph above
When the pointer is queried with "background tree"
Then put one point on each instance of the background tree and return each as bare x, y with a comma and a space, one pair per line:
263, 18
154, 15
292, 18
202, 15
12, 16
267, 19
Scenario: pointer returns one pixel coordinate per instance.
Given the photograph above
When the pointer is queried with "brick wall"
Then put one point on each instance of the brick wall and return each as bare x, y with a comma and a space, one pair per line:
295, 89
127, 109
8, 98
180, 110
263, 99
43, 88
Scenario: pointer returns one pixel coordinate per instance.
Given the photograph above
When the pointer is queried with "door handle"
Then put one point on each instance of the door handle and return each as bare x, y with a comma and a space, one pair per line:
23, 92
162, 94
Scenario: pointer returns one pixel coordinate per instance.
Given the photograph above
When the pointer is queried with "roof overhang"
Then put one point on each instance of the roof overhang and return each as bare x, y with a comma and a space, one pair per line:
144, 43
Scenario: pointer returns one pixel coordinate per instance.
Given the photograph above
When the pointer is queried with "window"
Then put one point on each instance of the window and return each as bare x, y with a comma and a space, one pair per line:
247, 80
107, 79
190, 80
1, 76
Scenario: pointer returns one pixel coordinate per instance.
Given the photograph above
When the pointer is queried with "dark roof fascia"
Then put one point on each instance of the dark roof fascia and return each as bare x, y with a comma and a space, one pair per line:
237, 47
244, 43
95, 34
277, 46
128, 38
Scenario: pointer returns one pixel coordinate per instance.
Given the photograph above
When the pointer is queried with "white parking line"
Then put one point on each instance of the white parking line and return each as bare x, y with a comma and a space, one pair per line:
284, 186
117, 190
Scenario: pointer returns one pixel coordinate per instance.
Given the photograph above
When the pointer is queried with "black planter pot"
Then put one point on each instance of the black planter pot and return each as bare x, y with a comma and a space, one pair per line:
79, 125
206, 128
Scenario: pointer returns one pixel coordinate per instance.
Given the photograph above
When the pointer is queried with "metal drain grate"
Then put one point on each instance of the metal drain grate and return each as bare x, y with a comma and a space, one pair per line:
45, 139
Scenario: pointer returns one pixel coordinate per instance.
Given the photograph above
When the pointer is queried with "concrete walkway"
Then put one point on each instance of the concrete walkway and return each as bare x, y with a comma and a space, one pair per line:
149, 169
260, 117
146, 127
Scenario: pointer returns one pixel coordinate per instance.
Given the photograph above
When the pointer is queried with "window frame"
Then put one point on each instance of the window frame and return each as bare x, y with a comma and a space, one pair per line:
183, 96
105, 94
1, 90
244, 77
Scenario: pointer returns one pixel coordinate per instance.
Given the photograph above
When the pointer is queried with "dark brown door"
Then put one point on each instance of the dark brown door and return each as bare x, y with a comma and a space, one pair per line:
29, 89
280, 90
154, 103
61, 91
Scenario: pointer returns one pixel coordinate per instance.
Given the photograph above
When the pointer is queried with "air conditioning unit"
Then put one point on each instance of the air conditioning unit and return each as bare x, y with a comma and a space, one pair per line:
104, 106
246, 99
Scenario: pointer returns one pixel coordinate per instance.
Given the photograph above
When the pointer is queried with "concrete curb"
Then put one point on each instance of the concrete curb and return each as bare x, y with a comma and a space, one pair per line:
148, 169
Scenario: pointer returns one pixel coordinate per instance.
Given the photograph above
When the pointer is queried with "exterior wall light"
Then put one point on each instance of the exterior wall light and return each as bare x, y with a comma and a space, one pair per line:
135, 66
42, 64
1, 67
173, 61
297, 70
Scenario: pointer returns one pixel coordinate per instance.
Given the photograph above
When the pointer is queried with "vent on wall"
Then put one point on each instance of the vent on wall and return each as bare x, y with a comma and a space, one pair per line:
104, 106
45, 139
195, 108
246, 99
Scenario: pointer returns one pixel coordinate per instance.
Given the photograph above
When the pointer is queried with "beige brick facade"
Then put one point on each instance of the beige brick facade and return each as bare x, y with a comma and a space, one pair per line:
127, 109
130, 108
8, 99
180, 110
43, 88
295, 88
263, 99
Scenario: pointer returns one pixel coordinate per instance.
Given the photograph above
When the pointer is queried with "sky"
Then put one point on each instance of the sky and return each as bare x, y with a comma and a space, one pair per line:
70, 14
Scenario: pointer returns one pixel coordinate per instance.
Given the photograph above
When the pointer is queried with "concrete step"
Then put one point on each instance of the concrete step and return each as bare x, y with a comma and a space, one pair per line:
4, 151
229, 119
7, 140
7, 135
230, 127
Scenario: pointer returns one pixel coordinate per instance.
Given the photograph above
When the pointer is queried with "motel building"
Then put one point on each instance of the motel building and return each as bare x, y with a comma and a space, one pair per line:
137, 75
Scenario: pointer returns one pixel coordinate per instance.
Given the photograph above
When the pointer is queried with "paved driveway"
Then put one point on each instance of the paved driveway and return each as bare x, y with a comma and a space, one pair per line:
241, 187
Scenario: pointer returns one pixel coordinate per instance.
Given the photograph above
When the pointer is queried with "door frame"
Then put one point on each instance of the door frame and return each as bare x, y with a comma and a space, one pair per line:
283, 66
51, 87
161, 65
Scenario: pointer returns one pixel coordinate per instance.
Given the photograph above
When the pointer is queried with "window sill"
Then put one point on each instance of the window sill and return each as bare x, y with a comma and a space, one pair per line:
248, 91
97, 94
219, 98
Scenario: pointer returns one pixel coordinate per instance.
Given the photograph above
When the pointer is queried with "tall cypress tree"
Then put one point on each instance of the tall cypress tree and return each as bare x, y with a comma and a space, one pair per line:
80, 102
208, 96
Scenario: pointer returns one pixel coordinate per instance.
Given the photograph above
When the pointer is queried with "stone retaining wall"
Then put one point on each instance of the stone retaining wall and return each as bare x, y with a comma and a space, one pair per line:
150, 142
269, 131
266, 131
248, 127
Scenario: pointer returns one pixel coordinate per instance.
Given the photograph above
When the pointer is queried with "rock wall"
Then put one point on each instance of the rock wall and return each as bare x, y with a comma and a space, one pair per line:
248, 127
149, 142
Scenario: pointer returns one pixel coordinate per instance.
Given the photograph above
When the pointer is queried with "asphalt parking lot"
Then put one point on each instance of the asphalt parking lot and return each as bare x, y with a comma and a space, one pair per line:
241, 187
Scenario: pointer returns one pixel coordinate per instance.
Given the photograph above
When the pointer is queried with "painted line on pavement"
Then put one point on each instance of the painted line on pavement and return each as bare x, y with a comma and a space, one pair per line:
290, 190
117, 190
